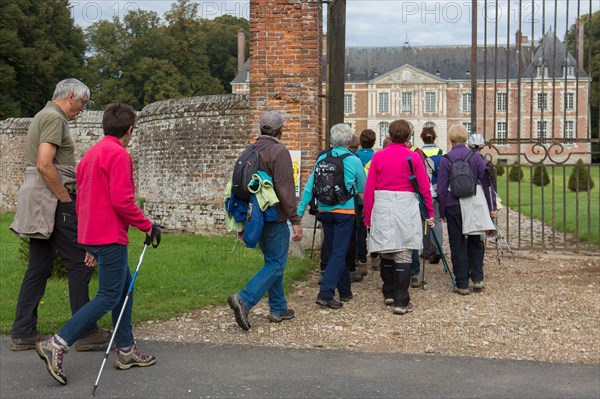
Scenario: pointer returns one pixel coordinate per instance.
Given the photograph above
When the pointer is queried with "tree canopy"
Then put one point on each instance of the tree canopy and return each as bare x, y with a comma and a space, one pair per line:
138, 59
591, 65
39, 46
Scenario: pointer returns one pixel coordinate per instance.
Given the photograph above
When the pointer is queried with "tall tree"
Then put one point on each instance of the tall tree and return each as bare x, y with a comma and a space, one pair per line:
39, 46
591, 30
221, 36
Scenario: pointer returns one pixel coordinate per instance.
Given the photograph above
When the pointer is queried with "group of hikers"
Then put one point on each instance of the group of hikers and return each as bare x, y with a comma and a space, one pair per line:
385, 201
364, 199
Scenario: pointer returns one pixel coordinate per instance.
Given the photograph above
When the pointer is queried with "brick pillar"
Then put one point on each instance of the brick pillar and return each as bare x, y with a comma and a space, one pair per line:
285, 71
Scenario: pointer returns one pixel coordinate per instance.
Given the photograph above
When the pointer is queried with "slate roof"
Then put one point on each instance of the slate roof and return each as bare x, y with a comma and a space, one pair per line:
451, 62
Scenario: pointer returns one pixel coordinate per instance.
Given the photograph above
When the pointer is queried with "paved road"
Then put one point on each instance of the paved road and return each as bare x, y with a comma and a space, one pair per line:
209, 371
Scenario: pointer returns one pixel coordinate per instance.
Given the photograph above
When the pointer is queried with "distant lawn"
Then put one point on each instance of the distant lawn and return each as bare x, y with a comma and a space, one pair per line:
555, 203
185, 272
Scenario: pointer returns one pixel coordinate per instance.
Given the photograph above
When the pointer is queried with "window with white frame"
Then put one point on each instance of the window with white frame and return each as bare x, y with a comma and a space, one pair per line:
407, 102
541, 130
383, 132
569, 70
501, 102
348, 103
501, 133
466, 102
569, 101
430, 124
384, 102
542, 101
542, 72
430, 101
569, 132
469, 127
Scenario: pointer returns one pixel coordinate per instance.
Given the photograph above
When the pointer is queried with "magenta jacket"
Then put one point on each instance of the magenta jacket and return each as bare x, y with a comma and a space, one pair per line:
389, 171
105, 195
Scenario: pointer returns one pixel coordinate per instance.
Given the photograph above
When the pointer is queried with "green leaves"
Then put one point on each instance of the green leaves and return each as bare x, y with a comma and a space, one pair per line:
138, 59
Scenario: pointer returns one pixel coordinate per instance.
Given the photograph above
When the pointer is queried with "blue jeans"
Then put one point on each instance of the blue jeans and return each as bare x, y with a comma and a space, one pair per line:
274, 243
338, 229
114, 278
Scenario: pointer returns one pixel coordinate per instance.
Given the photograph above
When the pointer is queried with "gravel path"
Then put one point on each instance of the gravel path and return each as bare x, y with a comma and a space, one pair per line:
536, 306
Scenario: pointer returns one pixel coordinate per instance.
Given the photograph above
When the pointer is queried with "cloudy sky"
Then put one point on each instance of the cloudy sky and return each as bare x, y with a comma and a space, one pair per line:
391, 22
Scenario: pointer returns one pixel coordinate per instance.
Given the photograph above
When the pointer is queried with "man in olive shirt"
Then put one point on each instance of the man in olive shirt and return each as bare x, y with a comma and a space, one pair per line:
46, 215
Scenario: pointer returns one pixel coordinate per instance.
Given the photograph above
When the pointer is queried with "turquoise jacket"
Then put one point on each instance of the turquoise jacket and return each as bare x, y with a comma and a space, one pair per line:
354, 177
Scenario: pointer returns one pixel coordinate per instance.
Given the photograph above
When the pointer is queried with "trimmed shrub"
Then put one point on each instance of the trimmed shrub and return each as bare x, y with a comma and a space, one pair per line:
540, 176
515, 174
580, 178
499, 169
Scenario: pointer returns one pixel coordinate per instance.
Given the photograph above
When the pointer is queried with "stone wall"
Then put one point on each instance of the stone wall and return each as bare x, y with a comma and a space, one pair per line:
187, 151
86, 131
183, 151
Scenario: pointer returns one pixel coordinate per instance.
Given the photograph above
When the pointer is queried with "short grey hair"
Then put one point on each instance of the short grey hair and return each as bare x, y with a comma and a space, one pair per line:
65, 87
341, 134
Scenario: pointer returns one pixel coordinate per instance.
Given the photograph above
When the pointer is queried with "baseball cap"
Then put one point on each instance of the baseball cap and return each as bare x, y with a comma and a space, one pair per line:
475, 140
271, 121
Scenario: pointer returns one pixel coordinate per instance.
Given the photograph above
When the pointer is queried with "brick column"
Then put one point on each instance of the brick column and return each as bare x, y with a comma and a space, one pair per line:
285, 71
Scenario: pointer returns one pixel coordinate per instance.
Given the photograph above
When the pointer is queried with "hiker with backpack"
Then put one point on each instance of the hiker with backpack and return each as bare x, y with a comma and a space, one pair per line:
337, 179
273, 159
391, 210
433, 155
460, 171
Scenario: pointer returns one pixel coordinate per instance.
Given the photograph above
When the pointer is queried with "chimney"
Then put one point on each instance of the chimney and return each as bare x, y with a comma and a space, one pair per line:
579, 30
241, 50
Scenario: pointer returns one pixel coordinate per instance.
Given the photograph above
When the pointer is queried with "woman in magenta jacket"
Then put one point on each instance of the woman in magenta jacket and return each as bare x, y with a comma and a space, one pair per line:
391, 210
105, 208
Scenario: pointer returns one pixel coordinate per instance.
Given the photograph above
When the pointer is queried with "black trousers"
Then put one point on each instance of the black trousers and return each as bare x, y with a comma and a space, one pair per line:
39, 269
466, 251
361, 235
396, 280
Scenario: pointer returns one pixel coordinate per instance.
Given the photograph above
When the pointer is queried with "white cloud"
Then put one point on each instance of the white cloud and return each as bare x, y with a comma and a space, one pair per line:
386, 22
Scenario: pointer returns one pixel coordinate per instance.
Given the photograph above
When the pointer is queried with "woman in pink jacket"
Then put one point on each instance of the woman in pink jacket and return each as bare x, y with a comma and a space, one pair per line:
105, 208
391, 210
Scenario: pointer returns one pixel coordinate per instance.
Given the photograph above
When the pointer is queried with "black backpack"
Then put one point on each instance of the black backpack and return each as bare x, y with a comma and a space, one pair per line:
462, 182
329, 185
245, 166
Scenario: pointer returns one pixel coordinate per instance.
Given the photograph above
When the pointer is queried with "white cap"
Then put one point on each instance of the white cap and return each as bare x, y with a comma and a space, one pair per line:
475, 140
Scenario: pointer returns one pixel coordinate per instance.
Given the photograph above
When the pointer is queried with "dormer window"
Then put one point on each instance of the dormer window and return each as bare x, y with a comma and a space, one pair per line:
569, 71
542, 71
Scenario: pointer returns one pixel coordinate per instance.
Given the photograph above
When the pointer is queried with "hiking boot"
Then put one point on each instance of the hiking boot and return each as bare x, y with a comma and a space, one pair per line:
415, 281
346, 298
388, 301
361, 267
240, 310
356, 277
287, 315
461, 291
478, 286
375, 262
23, 344
404, 309
331, 303
95, 340
52, 355
133, 357
435, 259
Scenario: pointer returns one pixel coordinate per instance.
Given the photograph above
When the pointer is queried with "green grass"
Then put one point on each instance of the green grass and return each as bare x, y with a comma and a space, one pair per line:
185, 272
555, 203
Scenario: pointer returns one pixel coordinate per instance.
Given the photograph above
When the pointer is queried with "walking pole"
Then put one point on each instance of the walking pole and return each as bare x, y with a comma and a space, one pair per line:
129, 292
498, 249
312, 247
415, 184
423, 282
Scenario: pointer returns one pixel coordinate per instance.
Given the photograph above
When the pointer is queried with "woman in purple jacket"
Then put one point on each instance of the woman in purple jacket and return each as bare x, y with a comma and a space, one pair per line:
466, 251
